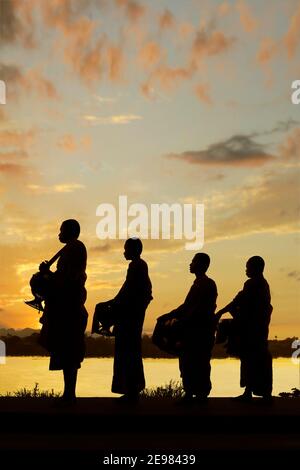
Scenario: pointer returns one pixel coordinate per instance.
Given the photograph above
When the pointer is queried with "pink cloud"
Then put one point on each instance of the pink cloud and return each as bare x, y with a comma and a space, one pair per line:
149, 54
202, 91
33, 80
12, 169
167, 20
210, 43
133, 10
267, 50
90, 65
292, 38
115, 62
290, 148
70, 144
248, 21
14, 138
224, 9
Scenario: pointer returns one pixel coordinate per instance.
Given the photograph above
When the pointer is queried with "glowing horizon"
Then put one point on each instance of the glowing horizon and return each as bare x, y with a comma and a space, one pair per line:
171, 103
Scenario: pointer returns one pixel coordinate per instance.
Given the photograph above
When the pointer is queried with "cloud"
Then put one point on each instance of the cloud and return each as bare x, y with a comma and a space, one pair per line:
186, 29
17, 23
89, 65
149, 54
14, 147
12, 169
79, 51
67, 187
289, 42
70, 144
206, 43
202, 91
118, 119
115, 62
13, 155
31, 80
105, 99
224, 9
268, 49
133, 10
210, 42
3, 116
15, 138
67, 143
11, 74
167, 20
290, 148
9, 23
248, 22
295, 275
167, 77
266, 204
283, 126
56, 188
238, 150
292, 38
102, 248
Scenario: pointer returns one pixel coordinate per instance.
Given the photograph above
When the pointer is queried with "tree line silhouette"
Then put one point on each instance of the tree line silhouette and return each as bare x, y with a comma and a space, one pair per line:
101, 346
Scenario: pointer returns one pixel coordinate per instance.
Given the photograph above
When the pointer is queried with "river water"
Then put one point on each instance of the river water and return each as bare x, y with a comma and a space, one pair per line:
94, 379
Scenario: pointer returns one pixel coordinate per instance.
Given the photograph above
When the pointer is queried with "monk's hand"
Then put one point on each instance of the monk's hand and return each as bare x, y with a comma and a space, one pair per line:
44, 267
171, 321
219, 314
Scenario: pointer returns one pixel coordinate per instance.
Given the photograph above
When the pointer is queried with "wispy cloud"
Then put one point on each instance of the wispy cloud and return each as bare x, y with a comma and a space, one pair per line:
105, 99
56, 188
167, 20
202, 91
247, 19
15, 146
289, 43
116, 119
69, 143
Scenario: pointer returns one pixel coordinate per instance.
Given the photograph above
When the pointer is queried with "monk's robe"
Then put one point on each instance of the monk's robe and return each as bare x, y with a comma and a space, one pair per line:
196, 315
65, 316
252, 309
131, 303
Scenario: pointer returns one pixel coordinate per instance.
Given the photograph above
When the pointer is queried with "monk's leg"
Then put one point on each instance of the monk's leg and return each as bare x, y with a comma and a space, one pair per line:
70, 379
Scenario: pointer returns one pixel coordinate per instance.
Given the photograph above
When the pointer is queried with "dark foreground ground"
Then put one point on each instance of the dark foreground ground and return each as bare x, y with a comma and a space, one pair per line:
35, 432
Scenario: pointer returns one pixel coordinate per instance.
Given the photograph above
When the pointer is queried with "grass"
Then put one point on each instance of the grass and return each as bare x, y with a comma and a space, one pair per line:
171, 390
34, 393
294, 393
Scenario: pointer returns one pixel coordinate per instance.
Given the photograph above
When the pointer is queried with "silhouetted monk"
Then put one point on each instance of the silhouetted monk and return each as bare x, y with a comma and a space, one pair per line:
196, 316
252, 309
65, 317
131, 303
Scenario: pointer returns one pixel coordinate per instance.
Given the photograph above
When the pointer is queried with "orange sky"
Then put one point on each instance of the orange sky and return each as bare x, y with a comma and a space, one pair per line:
165, 102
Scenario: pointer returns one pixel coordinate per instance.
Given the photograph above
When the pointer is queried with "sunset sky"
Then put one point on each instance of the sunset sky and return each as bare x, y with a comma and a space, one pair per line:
165, 101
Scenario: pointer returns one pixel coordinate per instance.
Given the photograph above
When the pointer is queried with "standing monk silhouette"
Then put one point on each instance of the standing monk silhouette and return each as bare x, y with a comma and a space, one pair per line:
131, 303
251, 309
196, 316
65, 317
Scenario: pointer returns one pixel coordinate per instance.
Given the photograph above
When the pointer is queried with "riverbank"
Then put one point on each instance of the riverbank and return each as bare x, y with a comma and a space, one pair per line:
100, 346
34, 428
